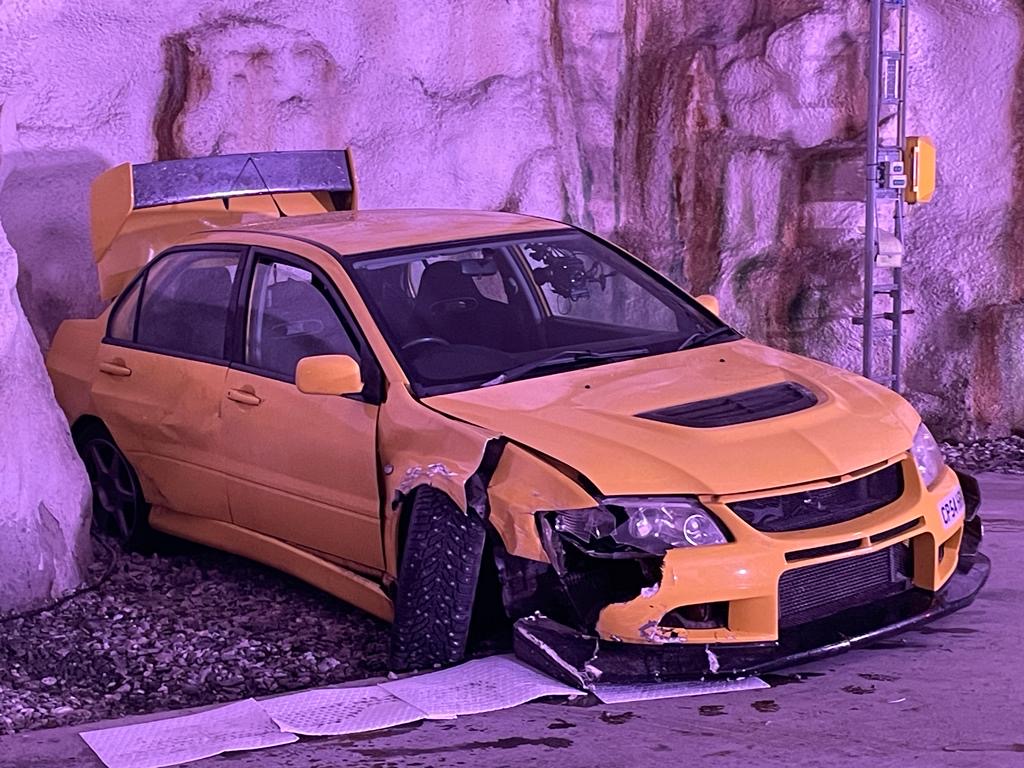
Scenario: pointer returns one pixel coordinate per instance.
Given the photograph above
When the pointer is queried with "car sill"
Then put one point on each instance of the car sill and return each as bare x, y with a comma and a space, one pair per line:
333, 579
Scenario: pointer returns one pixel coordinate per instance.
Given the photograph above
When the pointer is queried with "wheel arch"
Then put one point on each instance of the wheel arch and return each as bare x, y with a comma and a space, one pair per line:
84, 422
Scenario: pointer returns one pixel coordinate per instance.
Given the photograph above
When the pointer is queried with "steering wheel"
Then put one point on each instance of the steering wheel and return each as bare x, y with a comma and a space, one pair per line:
425, 340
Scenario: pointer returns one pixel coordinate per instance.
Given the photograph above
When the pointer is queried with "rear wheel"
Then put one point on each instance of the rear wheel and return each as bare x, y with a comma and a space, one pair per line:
118, 506
437, 581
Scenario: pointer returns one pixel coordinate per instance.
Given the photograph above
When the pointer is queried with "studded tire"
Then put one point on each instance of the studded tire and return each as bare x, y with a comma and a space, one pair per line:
437, 582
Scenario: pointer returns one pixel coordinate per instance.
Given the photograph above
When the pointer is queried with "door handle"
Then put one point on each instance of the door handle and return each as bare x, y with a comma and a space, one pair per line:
244, 396
115, 367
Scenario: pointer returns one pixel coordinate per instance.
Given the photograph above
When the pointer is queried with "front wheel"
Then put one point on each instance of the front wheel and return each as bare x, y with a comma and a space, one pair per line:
119, 509
437, 582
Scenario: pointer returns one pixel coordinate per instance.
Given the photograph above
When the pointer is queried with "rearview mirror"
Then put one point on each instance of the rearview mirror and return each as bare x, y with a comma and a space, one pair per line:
484, 267
709, 302
328, 375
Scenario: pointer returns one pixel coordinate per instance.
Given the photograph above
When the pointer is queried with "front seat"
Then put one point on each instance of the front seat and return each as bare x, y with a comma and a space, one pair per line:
450, 305
298, 322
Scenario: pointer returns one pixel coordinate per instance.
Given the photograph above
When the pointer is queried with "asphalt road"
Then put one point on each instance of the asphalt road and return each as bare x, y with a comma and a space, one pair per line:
950, 694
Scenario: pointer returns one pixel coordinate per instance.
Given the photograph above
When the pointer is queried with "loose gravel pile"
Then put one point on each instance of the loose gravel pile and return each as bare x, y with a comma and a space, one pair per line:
187, 627
1001, 455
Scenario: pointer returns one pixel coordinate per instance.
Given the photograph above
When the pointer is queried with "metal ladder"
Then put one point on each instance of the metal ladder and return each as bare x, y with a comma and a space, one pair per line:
886, 180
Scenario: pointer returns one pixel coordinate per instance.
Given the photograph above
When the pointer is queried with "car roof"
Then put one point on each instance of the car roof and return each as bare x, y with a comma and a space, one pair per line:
366, 231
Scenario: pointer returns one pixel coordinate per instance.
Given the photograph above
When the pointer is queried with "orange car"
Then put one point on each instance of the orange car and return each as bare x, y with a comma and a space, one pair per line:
431, 414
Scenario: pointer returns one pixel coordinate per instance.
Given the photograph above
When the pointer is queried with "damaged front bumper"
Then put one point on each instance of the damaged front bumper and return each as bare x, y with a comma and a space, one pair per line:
583, 659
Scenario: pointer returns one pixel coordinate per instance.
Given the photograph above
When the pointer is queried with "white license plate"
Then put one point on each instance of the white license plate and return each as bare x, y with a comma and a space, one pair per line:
952, 508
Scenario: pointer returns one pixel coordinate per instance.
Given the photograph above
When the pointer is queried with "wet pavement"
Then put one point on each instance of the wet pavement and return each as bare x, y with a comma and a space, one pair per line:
949, 694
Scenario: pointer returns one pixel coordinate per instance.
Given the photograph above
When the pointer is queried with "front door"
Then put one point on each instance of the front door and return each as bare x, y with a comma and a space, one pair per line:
160, 382
302, 468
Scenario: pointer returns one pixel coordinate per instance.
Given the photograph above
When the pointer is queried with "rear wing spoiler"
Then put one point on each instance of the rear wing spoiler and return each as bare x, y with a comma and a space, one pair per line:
138, 210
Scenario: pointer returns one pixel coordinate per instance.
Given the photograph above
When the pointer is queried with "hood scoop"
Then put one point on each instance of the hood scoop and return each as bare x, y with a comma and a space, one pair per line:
738, 408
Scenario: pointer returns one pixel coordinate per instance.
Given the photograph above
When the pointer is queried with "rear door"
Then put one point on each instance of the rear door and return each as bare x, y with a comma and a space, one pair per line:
302, 468
162, 367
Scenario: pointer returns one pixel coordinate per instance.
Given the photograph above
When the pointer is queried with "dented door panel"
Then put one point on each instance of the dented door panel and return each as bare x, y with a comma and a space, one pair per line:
165, 414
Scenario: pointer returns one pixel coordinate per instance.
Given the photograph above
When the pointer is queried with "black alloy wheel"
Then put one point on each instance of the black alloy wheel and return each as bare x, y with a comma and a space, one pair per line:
119, 508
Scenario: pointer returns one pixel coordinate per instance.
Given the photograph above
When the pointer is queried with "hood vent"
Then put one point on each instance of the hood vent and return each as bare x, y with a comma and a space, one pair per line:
739, 408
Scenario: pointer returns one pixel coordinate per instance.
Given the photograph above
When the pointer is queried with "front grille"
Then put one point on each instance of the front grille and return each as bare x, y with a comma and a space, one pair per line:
739, 408
816, 591
829, 549
825, 506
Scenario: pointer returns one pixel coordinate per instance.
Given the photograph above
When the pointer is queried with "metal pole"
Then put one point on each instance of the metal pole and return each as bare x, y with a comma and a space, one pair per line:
901, 142
871, 176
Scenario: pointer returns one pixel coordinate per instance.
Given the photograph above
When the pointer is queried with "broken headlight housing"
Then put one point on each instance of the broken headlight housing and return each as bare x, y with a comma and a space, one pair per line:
927, 456
636, 527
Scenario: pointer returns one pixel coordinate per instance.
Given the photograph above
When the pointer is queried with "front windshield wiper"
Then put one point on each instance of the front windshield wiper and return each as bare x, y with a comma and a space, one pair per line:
566, 357
701, 338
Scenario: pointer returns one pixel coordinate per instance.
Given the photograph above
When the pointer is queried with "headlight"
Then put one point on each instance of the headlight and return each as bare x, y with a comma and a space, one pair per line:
927, 455
621, 528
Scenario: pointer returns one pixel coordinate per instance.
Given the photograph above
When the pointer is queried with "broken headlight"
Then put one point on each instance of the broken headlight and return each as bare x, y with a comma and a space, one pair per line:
621, 528
927, 455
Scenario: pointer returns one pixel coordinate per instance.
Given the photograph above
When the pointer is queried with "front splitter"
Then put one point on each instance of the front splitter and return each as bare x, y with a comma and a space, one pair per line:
582, 660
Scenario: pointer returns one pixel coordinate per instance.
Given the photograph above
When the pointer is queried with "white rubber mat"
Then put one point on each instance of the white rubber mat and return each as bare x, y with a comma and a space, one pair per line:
239, 726
481, 685
338, 711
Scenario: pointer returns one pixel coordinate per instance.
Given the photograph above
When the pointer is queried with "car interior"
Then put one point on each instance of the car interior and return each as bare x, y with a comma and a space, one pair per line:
188, 312
293, 319
472, 311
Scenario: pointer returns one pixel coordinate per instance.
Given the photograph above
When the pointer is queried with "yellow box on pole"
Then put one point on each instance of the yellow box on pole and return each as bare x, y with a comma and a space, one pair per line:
921, 169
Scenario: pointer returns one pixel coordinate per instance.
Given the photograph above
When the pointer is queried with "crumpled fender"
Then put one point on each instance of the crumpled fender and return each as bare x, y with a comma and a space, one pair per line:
480, 470
524, 484
419, 446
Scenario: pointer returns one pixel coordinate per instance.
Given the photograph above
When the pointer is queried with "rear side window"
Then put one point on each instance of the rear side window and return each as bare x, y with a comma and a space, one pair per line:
185, 300
122, 319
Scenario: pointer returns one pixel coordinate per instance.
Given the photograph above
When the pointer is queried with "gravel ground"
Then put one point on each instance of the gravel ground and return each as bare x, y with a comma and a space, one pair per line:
191, 626
1003, 455
186, 627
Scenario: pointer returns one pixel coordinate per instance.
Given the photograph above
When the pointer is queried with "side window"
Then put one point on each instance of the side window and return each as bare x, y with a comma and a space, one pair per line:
291, 317
185, 300
122, 319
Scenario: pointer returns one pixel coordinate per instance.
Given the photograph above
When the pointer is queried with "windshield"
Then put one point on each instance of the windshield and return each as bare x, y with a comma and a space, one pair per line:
479, 313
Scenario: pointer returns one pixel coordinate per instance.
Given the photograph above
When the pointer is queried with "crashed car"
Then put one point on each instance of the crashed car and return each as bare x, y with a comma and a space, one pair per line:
432, 414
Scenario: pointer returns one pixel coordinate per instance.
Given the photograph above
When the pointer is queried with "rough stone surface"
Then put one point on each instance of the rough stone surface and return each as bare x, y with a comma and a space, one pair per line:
722, 142
44, 492
183, 627
1004, 455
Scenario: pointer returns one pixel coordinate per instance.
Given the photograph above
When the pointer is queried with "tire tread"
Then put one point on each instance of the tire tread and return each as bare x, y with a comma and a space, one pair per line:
437, 583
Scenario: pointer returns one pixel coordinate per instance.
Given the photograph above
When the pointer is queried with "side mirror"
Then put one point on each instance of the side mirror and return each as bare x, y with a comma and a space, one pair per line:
710, 303
328, 375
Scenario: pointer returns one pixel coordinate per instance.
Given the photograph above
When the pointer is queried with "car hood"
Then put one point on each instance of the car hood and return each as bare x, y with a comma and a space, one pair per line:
588, 420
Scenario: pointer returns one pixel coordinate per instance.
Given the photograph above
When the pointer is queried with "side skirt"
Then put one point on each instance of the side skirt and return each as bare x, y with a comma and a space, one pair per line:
333, 579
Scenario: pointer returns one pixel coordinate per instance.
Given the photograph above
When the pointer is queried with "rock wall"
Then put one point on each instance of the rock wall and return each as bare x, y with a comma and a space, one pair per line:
44, 491
719, 141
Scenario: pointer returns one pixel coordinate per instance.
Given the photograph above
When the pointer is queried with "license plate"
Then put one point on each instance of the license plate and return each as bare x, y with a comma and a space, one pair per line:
952, 508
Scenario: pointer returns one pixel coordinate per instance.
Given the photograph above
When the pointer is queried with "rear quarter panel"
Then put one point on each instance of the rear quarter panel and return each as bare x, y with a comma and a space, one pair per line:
71, 363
